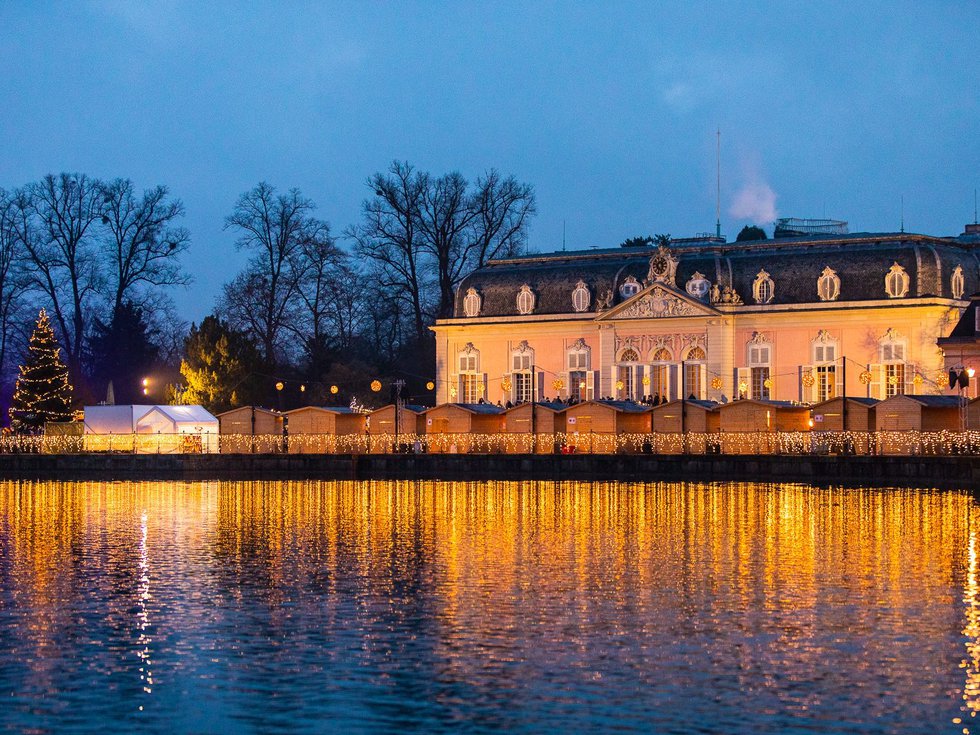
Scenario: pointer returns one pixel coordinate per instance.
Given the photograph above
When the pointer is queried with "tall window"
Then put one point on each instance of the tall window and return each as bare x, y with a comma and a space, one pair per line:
896, 282
759, 361
828, 285
470, 379
660, 372
626, 374
581, 298
825, 364
693, 369
522, 364
525, 300
578, 370
471, 303
763, 288
893, 358
957, 282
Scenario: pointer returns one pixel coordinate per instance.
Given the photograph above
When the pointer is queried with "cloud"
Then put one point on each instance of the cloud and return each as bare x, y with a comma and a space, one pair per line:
755, 201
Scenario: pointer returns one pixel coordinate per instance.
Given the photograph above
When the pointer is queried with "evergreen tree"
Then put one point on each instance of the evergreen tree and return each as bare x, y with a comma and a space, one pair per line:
123, 352
220, 368
43, 392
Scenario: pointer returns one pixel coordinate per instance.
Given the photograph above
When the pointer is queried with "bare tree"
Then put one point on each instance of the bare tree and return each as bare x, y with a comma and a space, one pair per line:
13, 281
53, 222
389, 238
262, 300
332, 298
142, 242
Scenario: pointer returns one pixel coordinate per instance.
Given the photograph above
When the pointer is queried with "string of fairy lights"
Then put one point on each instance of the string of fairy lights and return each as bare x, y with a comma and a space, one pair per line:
945, 443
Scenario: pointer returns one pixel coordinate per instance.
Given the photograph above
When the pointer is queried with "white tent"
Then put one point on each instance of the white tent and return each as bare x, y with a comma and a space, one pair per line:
160, 429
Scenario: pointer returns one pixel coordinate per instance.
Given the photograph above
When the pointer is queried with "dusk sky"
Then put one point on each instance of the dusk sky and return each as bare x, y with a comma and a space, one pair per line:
609, 110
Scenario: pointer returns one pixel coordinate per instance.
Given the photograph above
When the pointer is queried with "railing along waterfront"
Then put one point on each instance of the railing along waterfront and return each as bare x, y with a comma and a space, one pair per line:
760, 442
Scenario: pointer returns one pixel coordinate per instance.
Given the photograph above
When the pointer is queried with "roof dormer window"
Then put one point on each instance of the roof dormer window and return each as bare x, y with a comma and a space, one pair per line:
630, 287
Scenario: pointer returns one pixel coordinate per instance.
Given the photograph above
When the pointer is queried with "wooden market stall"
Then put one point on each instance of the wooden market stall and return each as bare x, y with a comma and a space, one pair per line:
843, 425
250, 429
381, 427
533, 426
755, 426
316, 430
464, 427
599, 426
682, 426
902, 421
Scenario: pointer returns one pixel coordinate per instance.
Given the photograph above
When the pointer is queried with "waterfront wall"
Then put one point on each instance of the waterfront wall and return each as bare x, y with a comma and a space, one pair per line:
907, 471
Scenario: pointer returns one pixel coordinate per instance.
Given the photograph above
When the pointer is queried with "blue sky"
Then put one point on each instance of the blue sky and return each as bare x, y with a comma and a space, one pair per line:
608, 109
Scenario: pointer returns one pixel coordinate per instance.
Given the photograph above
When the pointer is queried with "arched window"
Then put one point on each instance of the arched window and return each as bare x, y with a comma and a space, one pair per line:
694, 373
630, 287
660, 367
579, 359
828, 285
581, 298
471, 303
763, 288
525, 300
896, 282
698, 286
957, 282
470, 379
627, 385
522, 373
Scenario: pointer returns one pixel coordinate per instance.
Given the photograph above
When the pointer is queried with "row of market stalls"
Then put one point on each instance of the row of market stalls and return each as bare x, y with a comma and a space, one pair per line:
745, 426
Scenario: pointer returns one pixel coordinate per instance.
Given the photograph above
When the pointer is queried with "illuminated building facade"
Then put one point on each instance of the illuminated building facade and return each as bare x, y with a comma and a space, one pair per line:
798, 318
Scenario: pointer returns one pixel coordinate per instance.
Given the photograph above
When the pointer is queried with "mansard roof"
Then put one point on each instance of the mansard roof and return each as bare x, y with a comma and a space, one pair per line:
794, 264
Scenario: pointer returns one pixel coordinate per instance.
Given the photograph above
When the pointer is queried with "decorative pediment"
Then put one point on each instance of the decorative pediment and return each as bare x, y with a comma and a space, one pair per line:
658, 302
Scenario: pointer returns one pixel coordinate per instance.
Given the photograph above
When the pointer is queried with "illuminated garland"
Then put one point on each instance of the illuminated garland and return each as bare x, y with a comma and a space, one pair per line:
941, 443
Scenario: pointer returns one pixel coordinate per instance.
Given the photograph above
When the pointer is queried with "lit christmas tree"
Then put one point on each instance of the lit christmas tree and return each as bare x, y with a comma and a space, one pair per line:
43, 392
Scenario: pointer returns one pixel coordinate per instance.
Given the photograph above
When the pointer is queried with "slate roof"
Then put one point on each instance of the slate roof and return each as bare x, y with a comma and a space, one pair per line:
860, 260
939, 401
966, 328
487, 408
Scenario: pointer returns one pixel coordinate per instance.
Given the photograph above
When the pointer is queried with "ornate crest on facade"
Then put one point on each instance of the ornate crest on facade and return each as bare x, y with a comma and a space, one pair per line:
523, 346
824, 336
693, 340
659, 303
698, 286
759, 338
663, 266
469, 349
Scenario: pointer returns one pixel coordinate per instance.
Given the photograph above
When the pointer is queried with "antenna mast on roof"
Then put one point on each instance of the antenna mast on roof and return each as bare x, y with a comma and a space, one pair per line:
563, 236
974, 206
718, 187
903, 214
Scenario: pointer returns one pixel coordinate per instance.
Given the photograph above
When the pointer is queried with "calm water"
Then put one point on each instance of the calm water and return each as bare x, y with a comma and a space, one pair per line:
427, 607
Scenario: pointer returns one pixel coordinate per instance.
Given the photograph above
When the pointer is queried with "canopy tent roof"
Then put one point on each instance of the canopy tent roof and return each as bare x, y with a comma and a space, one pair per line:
126, 419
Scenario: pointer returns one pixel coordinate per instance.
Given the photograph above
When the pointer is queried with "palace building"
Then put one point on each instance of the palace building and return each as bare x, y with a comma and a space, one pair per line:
812, 314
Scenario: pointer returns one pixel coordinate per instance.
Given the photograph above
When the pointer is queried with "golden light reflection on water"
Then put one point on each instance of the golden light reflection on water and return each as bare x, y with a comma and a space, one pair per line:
767, 584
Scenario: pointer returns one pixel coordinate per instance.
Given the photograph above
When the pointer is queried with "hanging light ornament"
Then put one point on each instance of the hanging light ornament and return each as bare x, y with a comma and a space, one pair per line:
808, 380
646, 380
892, 380
558, 384
280, 385
918, 379
767, 383
334, 389
430, 385
506, 384
376, 385
716, 383
865, 377
619, 385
